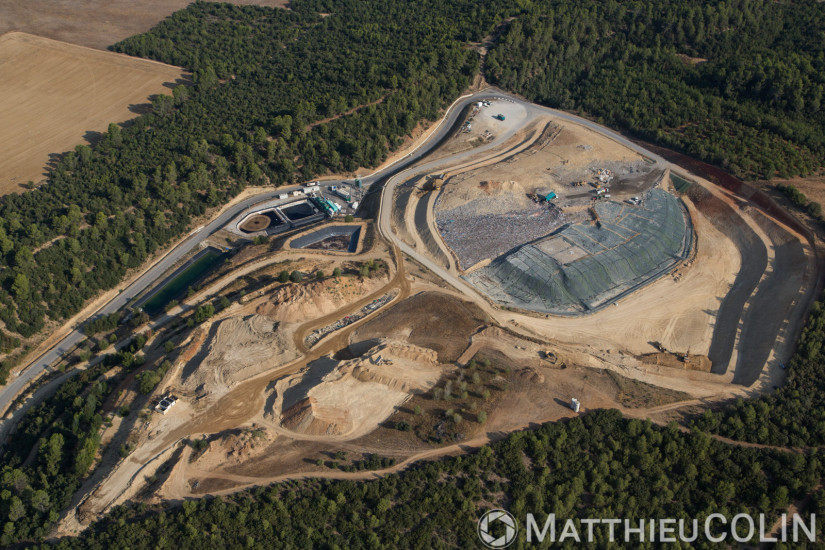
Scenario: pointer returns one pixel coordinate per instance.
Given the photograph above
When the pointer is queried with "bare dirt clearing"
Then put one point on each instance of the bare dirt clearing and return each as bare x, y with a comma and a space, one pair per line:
485, 211
352, 398
537, 391
57, 95
746, 267
429, 319
237, 348
94, 23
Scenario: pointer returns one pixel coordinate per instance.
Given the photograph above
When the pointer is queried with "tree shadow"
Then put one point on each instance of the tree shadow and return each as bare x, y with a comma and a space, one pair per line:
140, 108
186, 80
92, 137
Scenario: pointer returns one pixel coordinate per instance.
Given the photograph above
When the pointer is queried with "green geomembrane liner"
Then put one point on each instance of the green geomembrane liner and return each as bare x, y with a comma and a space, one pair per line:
587, 265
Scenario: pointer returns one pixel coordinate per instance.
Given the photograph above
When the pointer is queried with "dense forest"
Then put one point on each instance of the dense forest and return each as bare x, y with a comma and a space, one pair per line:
793, 415
284, 95
737, 83
54, 446
268, 86
597, 466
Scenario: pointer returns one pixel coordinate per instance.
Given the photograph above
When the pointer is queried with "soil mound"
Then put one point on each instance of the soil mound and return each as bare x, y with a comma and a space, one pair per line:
432, 320
530, 374
307, 417
488, 197
355, 396
297, 303
236, 349
398, 366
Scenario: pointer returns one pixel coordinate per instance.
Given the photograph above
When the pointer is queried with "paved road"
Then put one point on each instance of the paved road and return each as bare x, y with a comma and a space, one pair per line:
392, 173
533, 111
19, 382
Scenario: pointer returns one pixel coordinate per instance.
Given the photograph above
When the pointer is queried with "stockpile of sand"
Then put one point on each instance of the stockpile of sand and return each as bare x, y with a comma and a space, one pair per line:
356, 395
236, 349
298, 303
485, 197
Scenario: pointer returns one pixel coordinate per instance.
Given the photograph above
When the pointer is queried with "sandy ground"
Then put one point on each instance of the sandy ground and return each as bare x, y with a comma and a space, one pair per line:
677, 311
540, 391
564, 154
57, 95
237, 348
483, 121
94, 23
276, 425
241, 404
356, 395
298, 303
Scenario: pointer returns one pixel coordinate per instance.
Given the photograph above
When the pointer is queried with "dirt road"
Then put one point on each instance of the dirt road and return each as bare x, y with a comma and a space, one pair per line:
246, 400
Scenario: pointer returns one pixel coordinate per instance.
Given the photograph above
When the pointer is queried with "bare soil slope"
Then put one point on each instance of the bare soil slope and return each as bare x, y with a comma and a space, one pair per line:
297, 303
433, 320
55, 95
356, 395
236, 349
93, 23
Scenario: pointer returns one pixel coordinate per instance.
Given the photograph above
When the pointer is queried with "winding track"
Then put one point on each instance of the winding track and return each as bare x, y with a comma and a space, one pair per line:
20, 381
395, 173
230, 410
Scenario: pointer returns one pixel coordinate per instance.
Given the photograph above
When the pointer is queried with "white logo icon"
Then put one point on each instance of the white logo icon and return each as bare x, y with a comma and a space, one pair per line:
497, 529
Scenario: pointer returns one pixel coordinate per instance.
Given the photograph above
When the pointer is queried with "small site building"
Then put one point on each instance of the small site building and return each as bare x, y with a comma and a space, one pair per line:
166, 403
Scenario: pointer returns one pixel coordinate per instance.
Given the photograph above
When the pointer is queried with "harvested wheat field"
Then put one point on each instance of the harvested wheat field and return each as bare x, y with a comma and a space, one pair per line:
55, 95
94, 23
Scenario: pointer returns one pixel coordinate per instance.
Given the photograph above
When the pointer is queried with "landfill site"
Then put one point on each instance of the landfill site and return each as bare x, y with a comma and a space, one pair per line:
529, 269
583, 266
582, 239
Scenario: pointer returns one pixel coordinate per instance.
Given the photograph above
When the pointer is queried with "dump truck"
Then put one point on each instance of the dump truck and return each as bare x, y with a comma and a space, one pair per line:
499, 116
